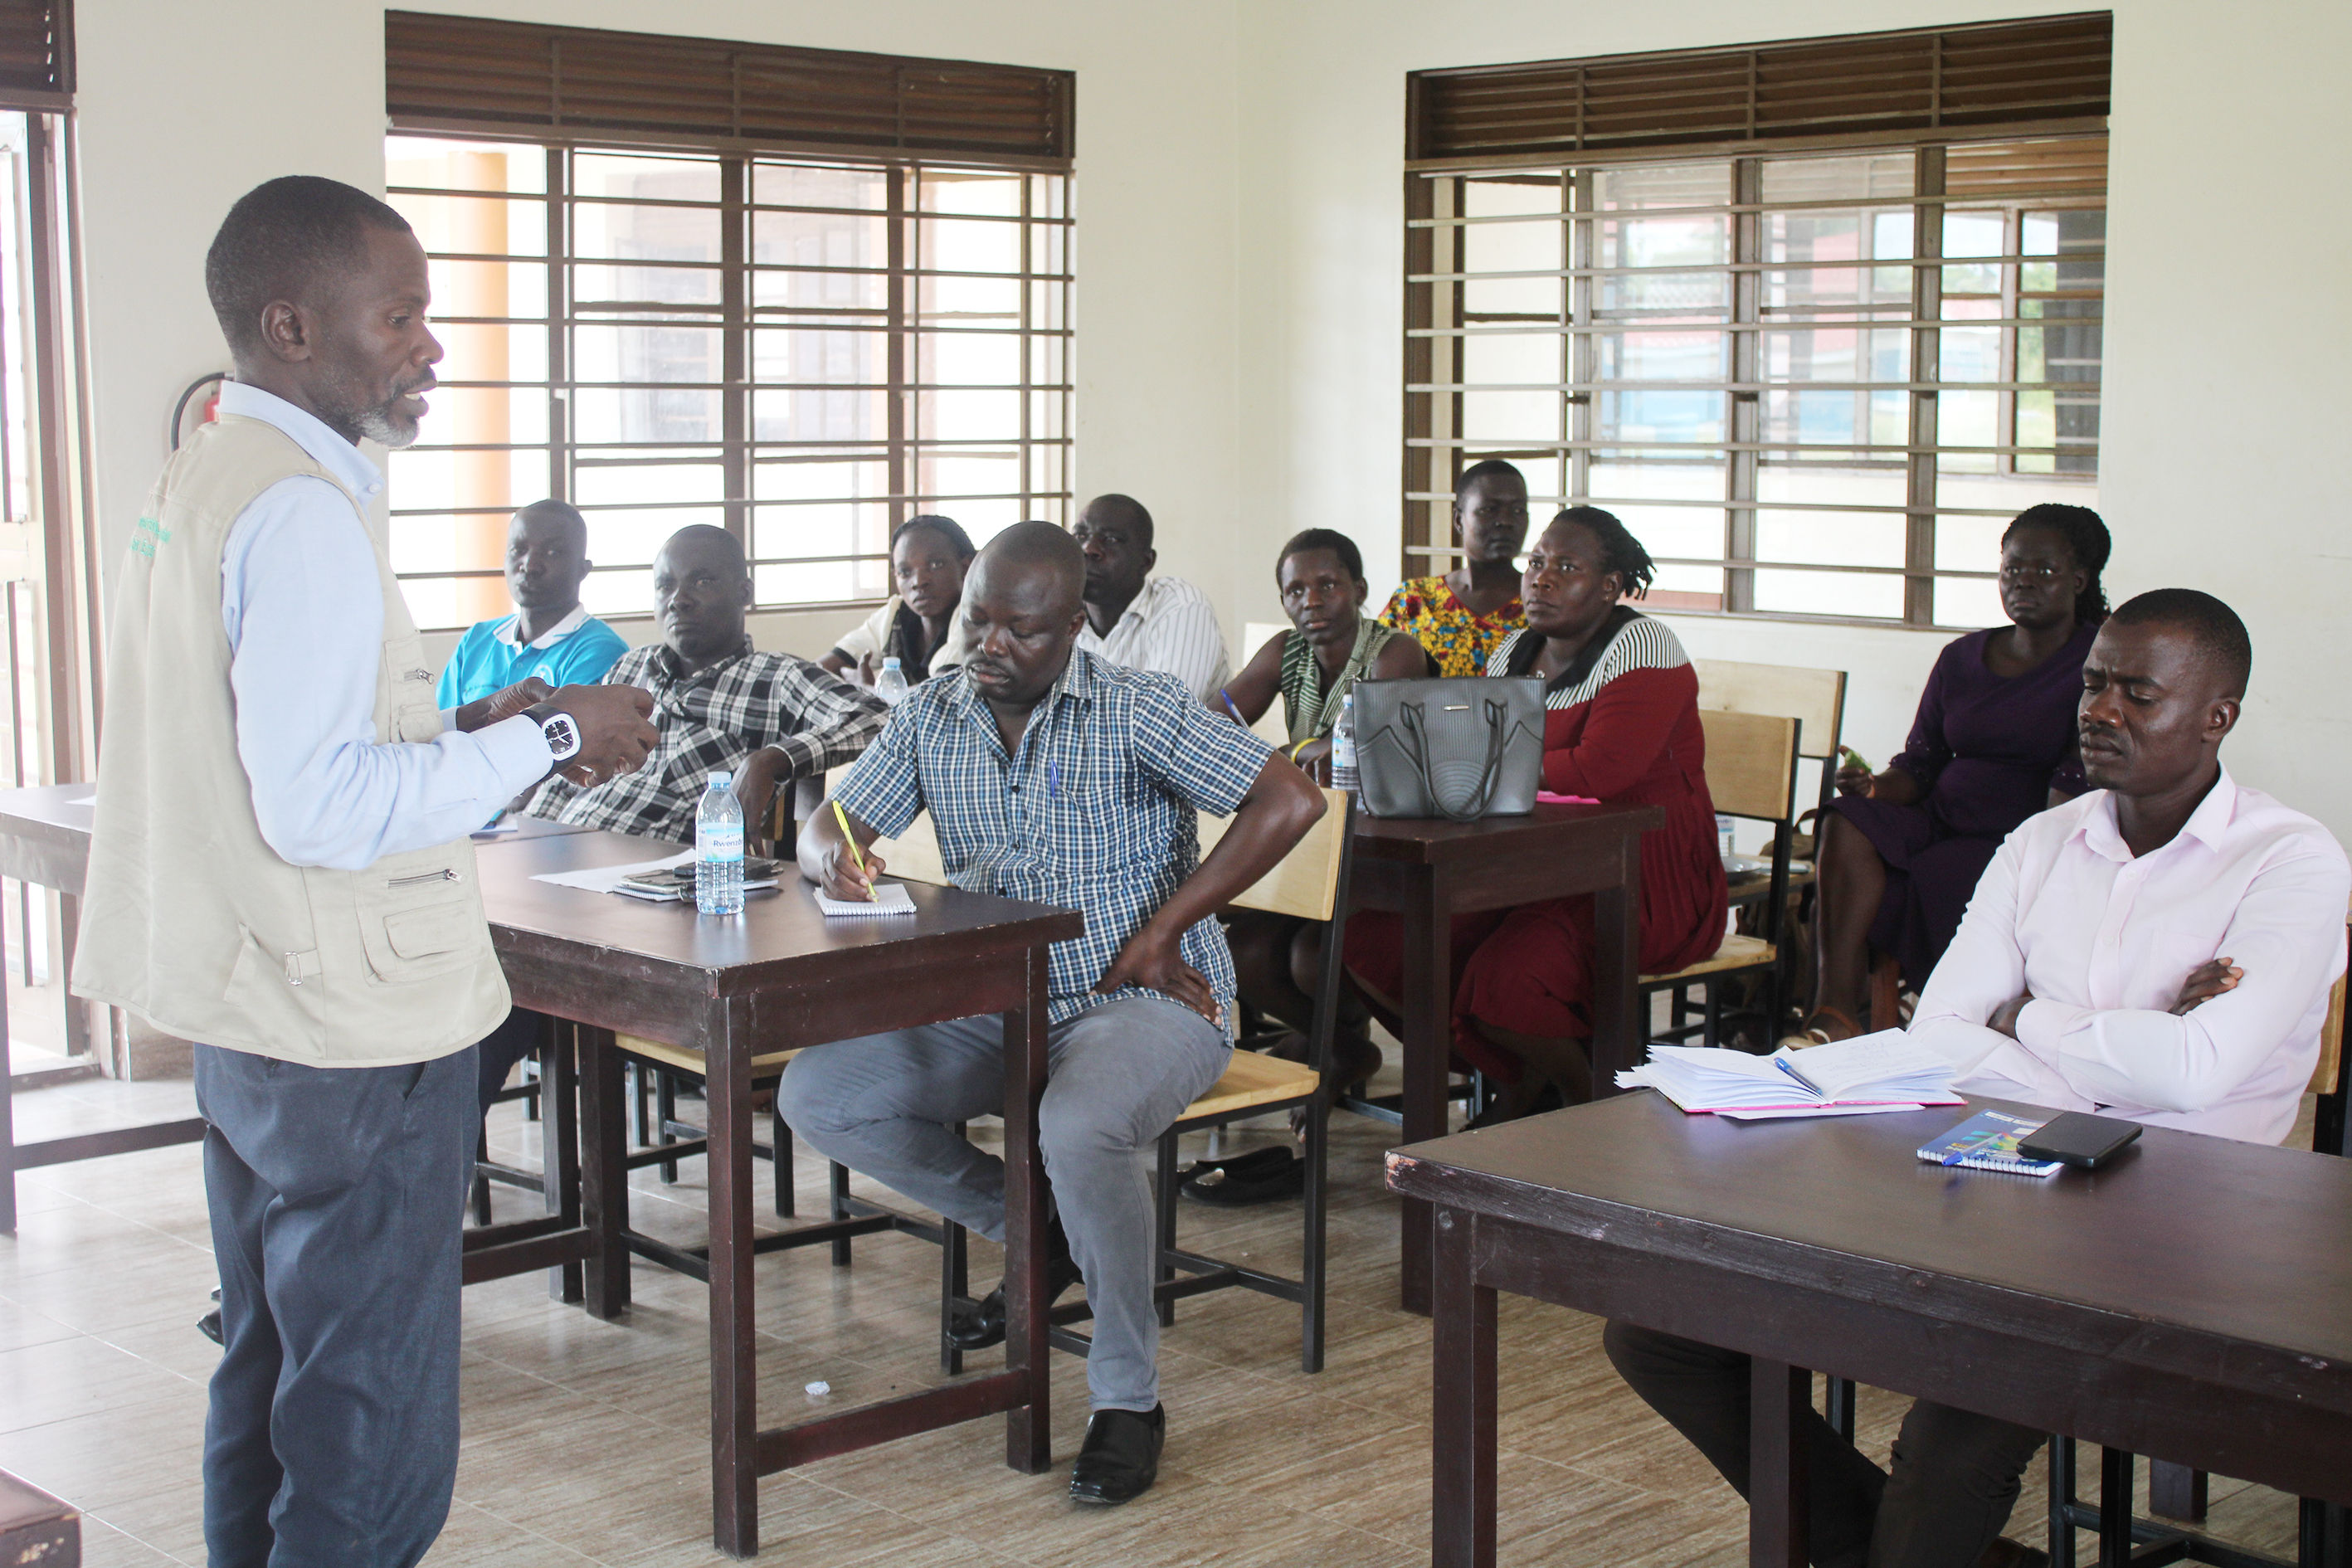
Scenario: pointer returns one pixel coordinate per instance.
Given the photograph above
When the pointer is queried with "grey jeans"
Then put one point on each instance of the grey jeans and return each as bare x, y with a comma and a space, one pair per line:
1118, 1075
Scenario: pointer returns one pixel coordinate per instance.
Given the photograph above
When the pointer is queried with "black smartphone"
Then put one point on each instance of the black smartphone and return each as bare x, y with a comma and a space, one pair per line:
2077, 1139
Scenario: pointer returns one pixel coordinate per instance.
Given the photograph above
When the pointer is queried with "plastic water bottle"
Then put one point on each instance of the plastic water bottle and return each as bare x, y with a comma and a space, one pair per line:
1723, 837
891, 684
1343, 750
718, 848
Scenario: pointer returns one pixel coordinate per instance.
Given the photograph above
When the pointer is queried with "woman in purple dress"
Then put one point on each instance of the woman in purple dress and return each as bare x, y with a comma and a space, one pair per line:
1993, 744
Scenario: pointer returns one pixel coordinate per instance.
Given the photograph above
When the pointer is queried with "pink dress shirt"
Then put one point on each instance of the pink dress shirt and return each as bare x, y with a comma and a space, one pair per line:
2104, 940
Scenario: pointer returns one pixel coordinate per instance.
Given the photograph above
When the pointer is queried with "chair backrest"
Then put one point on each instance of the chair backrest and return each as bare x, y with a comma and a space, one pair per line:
1751, 764
1815, 698
1304, 882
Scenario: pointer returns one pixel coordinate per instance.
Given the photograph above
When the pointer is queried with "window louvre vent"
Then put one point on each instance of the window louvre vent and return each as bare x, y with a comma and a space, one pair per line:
1874, 86
36, 68
466, 74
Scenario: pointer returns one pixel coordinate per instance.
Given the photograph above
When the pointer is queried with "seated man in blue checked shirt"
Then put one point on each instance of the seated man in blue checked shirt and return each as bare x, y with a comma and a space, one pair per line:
1054, 777
767, 718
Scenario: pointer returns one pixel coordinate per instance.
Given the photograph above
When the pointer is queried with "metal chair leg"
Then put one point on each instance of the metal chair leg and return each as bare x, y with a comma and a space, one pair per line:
1311, 1256
780, 1144
2062, 1499
840, 1211
666, 1108
478, 1195
1163, 1226
952, 1287
1837, 1405
2116, 1469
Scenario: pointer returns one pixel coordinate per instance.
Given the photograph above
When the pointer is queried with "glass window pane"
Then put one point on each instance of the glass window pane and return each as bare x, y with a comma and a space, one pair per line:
1512, 246
1967, 602
1830, 538
820, 413
818, 185
1830, 594
630, 176
1513, 416
969, 359
958, 415
1509, 196
848, 479
1664, 356
1640, 417
969, 190
1508, 358
616, 592
947, 244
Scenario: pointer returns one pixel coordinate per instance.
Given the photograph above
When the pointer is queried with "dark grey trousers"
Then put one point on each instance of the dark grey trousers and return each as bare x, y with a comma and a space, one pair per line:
336, 1198
1953, 1485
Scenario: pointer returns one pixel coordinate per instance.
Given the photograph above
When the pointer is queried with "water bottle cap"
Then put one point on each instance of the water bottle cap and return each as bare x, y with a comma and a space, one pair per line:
722, 779
891, 663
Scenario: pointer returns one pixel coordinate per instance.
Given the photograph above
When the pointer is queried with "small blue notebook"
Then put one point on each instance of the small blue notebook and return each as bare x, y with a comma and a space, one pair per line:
1988, 1141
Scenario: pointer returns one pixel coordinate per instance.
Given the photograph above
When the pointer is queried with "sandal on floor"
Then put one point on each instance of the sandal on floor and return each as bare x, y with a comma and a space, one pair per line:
1813, 1035
1261, 1176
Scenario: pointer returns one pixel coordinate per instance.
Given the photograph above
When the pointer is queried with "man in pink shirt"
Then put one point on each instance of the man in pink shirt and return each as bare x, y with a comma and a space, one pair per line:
2160, 949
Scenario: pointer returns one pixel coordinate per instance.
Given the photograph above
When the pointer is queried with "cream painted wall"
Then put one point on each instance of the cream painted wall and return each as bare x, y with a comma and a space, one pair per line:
1239, 205
2222, 445
182, 109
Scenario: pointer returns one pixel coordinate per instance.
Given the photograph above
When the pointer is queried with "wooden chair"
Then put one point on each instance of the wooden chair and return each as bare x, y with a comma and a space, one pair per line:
1815, 698
1752, 772
1312, 883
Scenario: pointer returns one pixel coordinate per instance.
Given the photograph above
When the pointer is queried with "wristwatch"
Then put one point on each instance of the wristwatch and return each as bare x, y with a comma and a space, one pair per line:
563, 732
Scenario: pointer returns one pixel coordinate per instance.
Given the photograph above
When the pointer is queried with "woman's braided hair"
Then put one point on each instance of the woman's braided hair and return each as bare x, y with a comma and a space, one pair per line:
2086, 539
1620, 552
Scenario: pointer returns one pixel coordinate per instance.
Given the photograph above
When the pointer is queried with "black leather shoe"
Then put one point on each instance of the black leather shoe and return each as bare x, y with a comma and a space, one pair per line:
981, 1324
1120, 1457
209, 1325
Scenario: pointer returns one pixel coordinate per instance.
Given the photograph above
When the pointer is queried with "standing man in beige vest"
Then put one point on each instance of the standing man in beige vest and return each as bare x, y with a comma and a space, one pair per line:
281, 872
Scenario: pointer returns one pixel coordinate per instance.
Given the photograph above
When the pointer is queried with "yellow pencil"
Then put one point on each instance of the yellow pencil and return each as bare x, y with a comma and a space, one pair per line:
842, 817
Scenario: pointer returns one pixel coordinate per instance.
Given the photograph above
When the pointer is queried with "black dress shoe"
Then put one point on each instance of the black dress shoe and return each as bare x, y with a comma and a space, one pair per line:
1120, 1457
981, 1324
209, 1325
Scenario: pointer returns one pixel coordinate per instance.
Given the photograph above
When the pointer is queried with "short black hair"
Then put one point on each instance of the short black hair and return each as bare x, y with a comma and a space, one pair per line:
947, 528
564, 512
729, 544
2088, 541
1493, 468
1329, 539
1620, 552
276, 241
1127, 510
2214, 629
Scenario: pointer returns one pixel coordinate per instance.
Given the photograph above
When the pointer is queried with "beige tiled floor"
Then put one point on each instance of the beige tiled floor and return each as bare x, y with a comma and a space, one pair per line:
586, 1443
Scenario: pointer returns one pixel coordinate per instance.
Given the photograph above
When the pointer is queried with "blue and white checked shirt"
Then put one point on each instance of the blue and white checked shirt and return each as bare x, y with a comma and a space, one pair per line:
1094, 813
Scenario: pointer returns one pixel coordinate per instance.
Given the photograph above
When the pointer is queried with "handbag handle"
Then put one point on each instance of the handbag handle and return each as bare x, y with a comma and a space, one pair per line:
1411, 717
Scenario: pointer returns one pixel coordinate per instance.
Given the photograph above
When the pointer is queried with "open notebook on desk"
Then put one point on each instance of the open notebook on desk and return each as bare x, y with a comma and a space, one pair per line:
1884, 1071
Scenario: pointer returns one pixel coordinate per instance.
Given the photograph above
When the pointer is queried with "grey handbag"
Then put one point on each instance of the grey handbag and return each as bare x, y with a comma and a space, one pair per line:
1460, 747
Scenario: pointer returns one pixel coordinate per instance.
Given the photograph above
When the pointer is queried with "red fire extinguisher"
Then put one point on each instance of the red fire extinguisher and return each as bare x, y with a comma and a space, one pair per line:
211, 405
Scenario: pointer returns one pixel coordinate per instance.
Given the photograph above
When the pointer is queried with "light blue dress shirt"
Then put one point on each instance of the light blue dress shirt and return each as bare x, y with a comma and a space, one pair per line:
304, 611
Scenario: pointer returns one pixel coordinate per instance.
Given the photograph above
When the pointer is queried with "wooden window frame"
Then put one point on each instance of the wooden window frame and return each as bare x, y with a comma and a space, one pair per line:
1567, 145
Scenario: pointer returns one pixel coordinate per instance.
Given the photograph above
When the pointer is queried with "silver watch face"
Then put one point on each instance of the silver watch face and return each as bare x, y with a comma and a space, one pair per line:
562, 735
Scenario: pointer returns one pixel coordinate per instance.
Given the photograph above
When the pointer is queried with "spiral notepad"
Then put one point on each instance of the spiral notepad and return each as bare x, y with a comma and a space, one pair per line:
889, 899
1988, 1141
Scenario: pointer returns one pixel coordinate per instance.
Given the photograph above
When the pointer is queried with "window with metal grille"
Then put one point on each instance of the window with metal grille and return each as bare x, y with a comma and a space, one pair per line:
1815, 370
665, 322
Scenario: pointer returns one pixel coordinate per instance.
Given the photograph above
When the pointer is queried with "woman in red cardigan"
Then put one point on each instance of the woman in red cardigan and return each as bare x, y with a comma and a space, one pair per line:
1621, 726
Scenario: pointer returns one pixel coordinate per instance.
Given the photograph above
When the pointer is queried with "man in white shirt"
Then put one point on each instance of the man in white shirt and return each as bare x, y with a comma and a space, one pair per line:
281, 872
2158, 949
1139, 620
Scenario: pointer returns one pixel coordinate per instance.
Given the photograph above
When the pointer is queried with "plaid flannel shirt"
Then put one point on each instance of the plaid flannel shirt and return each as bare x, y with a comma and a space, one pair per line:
715, 719
1094, 812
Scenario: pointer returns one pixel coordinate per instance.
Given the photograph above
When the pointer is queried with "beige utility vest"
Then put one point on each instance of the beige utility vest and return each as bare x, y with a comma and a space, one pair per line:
190, 919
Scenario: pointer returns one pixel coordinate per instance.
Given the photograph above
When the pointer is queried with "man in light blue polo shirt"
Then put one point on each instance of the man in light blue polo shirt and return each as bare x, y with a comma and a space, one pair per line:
549, 635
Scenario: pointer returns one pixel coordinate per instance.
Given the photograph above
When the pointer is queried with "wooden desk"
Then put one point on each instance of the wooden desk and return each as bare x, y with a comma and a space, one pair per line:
2193, 1302
780, 975
1431, 870
44, 840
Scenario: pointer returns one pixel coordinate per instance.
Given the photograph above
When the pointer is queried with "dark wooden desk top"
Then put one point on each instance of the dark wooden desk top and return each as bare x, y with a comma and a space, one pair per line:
2234, 1255
1431, 840
779, 937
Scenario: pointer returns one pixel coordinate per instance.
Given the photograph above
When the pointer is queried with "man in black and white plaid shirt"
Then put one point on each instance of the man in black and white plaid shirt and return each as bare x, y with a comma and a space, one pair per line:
767, 718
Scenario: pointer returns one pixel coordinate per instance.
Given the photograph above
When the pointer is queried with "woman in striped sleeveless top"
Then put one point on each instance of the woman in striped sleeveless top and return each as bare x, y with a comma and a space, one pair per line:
1331, 645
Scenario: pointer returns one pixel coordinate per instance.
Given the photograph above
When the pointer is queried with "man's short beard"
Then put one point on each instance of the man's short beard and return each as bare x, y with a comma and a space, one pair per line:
385, 427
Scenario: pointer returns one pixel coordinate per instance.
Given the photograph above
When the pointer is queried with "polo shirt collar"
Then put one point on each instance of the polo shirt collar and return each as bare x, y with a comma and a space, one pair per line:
308, 431
510, 631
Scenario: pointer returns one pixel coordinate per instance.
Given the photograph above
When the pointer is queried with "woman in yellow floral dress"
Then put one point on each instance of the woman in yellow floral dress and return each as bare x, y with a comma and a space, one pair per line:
1464, 615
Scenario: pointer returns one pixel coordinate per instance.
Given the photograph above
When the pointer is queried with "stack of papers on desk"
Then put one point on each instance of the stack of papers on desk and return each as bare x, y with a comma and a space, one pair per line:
1884, 1071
